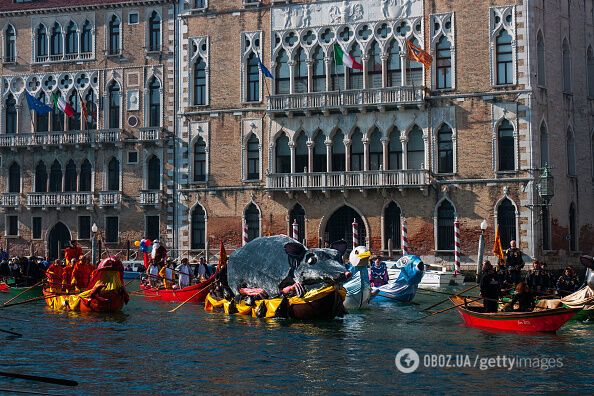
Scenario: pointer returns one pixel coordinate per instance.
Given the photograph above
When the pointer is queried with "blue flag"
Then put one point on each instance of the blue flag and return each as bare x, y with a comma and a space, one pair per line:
36, 105
265, 70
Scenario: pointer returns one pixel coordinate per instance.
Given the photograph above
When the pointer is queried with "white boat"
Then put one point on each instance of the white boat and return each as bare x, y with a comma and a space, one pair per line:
431, 278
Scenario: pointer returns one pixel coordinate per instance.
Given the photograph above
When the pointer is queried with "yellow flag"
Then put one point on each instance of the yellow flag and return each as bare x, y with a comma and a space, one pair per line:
497, 248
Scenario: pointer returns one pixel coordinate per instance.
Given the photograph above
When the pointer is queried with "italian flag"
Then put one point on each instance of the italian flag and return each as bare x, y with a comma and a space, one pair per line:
61, 104
345, 59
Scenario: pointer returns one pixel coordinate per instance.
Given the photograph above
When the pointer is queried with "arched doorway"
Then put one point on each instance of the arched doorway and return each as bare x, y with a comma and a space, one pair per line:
57, 238
340, 226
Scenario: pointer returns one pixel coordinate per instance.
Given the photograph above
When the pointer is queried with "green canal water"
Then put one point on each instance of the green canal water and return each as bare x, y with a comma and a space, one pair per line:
146, 351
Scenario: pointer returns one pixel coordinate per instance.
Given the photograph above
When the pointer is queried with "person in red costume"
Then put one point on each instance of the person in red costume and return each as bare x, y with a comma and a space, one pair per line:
54, 276
72, 251
67, 275
81, 274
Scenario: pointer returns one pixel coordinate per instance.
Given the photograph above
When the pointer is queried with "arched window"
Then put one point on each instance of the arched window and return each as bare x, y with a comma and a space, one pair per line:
86, 42
506, 146
392, 225
55, 179
41, 41
40, 177
504, 58
10, 44
70, 177
338, 152
301, 162
443, 64
91, 121
445, 226
336, 75
84, 180
71, 39
319, 70
573, 231
394, 65
300, 72
113, 175
114, 35
252, 219
445, 148
253, 79
355, 79
415, 149
10, 114
74, 121
506, 221
297, 214
374, 66
282, 76
154, 32
253, 158
590, 73
376, 150
282, 154
414, 70
56, 40
540, 55
14, 178
198, 228
154, 103
566, 67
42, 120
199, 82
319, 153
357, 151
571, 153
154, 174
544, 146
115, 101
395, 151
200, 160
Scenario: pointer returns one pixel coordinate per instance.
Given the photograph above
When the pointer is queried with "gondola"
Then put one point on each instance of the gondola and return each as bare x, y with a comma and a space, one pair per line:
196, 293
547, 320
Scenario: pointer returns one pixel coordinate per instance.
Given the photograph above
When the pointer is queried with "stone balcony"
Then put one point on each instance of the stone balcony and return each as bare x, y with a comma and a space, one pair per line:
343, 101
343, 181
150, 135
150, 198
60, 200
110, 198
59, 139
10, 200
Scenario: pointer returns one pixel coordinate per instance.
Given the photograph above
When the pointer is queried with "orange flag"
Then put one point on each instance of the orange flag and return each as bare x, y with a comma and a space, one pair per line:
222, 257
497, 248
419, 55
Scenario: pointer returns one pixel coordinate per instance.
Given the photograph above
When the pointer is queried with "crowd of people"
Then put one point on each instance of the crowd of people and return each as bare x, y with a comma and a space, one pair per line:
507, 280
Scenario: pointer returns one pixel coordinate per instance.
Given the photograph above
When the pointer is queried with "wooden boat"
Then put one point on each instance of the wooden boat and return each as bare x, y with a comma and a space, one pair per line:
199, 291
104, 302
547, 320
323, 303
13, 291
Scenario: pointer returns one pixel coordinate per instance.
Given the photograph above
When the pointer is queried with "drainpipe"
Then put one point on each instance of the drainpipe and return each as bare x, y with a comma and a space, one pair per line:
176, 56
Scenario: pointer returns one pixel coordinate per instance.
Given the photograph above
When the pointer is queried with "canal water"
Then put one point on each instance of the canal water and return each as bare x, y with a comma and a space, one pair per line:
147, 350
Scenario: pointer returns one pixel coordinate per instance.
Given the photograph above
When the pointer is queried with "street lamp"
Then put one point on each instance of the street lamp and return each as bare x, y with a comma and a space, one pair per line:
94, 230
546, 186
481, 250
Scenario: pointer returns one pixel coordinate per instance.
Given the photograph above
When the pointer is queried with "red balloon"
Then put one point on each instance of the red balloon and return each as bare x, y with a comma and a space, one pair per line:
148, 242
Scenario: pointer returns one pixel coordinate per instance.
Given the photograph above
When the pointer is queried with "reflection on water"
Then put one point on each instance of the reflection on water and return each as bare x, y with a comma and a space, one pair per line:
147, 350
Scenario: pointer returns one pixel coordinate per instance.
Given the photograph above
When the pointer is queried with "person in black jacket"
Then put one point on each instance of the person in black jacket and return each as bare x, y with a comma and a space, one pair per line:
514, 262
489, 288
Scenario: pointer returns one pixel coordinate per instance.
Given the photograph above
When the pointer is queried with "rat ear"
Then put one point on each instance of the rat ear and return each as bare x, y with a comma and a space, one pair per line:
341, 246
295, 250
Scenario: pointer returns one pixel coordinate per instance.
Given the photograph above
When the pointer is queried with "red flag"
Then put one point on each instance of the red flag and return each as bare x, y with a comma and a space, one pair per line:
497, 248
417, 54
222, 257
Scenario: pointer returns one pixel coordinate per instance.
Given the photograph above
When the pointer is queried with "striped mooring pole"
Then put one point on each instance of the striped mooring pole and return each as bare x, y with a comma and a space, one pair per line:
456, 246
355, 233
245, 233
404, 237
295, 230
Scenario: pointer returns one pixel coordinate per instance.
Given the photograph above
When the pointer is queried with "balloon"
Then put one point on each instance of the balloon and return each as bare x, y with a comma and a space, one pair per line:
137, 243
148, 242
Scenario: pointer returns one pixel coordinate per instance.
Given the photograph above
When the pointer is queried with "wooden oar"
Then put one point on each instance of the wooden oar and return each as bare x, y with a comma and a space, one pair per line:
48, 380
11, 333
23, 292
457, 294
127, 283
443, 310
194, 295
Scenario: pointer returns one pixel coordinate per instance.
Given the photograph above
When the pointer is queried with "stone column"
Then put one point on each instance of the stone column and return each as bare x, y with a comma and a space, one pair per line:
384, 71
404, 141
403, 66
291, 75
310, 146
365, 71
365, 142
292, 150
386, 153
347, 155
328, 144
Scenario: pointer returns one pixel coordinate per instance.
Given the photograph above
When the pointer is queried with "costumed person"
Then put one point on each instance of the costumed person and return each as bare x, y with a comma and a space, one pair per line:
153, 274
70, 252
514, 262
107, 288
54, 276
166, 274
81, 275
67, 280
183, 273
502, 276
201, 271
358, 287
489, 288
378, 274
159, 253
523, 297
538, 280
567, 283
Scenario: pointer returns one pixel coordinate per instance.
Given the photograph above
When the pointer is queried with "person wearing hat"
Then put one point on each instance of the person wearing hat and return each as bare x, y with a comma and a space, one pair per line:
67, 279
159, 253
54, 276
166, 273
153, 273
183, 273
489, 288
201, 271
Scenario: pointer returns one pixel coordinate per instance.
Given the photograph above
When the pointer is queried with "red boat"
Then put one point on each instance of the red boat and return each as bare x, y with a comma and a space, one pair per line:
196, 292
548, 320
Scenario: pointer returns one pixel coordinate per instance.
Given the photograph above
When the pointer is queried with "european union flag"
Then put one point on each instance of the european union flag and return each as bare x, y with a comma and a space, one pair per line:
265, 70
38, 106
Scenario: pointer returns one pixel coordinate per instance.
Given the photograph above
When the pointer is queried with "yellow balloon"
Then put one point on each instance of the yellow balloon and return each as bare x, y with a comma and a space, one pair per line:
136, 243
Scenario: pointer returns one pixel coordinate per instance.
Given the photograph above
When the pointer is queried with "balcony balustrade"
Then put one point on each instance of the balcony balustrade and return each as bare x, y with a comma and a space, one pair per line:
59, 200
10, 200
150, 135
20, 140
110, 198
150, 198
